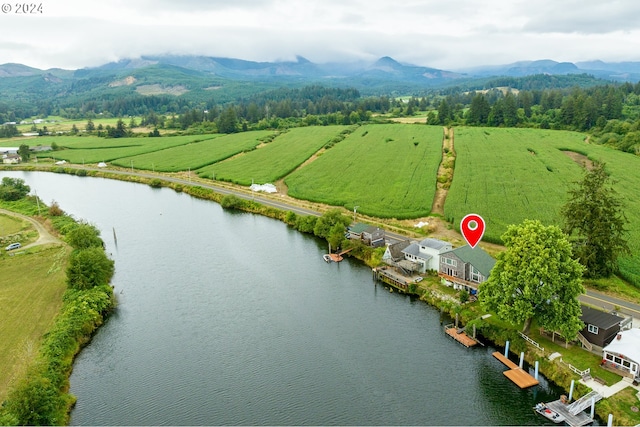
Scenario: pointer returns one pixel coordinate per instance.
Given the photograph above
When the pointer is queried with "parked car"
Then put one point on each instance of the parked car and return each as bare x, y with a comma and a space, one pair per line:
13, 246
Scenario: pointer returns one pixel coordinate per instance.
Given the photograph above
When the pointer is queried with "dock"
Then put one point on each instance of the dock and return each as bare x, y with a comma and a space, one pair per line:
393, 278
573, 413
515, 373
460, 336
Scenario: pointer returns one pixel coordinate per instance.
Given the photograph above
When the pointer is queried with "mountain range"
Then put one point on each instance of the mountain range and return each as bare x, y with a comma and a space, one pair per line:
196, 77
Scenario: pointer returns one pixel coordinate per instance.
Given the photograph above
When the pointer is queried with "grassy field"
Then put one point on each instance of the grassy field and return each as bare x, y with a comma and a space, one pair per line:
93, 149
274, 160
508, 175
31, 288
195, 155
10, 225
386, 170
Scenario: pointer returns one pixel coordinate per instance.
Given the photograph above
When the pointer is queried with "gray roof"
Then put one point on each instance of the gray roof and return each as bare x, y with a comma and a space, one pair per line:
477, 257
599, 318
432, 243
414, 249
396, 250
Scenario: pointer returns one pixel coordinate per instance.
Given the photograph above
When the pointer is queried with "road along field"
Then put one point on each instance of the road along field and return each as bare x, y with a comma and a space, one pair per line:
275, 159
508, 175
386, 170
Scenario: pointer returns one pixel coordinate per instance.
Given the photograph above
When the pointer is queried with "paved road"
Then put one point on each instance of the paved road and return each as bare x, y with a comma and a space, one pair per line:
594, 298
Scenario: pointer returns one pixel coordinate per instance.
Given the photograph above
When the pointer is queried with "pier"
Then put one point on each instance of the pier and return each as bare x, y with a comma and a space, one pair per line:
460, 336
515, 373
573, 413
391, 277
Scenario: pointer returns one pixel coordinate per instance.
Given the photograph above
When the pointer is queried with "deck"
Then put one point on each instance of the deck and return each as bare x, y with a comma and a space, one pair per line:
515, 373
461, 337
579, 419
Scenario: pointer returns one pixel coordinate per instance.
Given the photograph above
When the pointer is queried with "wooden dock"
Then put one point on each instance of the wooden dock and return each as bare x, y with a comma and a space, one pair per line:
515, 373
575, 420
460, 336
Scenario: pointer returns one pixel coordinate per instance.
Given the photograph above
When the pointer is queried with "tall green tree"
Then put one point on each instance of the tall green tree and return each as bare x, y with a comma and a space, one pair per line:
89, 268
536, 277
595, 222
24, 152
13, 189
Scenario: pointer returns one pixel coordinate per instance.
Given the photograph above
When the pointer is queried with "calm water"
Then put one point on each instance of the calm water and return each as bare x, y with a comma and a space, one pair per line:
235, 319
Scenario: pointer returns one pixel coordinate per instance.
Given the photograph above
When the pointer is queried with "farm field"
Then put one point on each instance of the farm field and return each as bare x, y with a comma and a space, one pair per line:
94, 149
508, 175
197, 154
386, 170
275, 159
31, 288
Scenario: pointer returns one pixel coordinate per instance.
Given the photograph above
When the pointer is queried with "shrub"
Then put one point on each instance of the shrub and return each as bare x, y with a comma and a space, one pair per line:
155, 183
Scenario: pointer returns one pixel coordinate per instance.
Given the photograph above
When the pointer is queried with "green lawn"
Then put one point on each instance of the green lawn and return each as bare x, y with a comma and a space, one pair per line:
31, 288
275, 159
386, 170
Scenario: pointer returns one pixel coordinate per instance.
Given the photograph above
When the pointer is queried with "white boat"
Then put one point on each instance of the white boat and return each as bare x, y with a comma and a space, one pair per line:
546, 412
326, 257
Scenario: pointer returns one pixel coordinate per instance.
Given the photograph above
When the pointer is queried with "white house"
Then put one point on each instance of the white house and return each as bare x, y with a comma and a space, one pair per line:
623, 353
426, 253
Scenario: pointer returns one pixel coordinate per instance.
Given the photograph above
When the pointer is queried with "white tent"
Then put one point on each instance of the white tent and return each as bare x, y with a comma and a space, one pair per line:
266, 188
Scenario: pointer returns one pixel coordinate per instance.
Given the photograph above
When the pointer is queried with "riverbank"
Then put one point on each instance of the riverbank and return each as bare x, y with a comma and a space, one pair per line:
436, 295
40, 395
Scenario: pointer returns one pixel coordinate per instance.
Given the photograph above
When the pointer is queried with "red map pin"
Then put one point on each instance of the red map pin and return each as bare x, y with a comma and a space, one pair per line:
472, 227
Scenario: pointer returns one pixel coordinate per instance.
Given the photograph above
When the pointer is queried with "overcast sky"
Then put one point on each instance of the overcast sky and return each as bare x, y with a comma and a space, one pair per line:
446, 34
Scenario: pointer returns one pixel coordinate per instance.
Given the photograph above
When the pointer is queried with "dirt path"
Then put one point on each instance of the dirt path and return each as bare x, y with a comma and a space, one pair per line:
445, 172
44, 237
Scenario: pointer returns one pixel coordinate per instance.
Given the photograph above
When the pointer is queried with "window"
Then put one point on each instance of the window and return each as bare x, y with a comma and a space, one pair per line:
609, 357
593, 329
451, 262
475, 274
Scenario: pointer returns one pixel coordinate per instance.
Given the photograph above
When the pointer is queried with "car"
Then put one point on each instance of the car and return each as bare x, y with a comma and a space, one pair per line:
13, 246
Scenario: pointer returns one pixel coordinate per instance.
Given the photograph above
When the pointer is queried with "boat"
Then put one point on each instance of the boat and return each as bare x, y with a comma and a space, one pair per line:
545, 411
326, 257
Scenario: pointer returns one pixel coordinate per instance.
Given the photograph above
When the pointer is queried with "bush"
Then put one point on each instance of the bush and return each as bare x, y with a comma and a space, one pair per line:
155, 183
89, 268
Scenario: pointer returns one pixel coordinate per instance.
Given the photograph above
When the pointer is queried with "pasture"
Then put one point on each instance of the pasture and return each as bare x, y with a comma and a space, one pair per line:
508, 175
31, 288
197, 154
275, 159
386, 170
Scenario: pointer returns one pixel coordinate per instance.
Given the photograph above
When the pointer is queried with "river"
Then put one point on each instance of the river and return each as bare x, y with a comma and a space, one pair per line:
229, 318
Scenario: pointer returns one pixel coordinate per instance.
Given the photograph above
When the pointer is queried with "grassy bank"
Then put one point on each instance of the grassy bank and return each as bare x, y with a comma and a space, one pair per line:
48, 321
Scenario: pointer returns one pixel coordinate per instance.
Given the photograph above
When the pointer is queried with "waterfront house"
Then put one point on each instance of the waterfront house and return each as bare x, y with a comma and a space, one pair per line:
600, 327
368, 234
393, 253
11, 159
623, 353
426, 253
465, 267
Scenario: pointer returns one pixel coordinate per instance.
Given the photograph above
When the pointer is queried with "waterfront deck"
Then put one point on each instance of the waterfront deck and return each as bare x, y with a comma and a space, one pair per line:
515, 373
461, 336
574, 420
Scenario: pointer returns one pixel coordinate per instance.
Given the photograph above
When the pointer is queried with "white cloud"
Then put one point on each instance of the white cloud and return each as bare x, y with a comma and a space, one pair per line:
451, 34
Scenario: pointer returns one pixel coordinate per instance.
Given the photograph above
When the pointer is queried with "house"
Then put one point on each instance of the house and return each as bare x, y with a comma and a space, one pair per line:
601, 327
368, 234
426, 253
623, 353
11, 159
465, 267
394, 252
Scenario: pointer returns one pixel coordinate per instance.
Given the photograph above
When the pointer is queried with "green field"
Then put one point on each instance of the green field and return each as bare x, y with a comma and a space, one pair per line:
94, 149
195, 155
386, 170
274, 160
31, 288
508, 175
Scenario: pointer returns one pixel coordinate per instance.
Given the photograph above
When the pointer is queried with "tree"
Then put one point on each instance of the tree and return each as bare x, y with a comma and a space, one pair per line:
326, 223
595, 222
24, 152
228, 121
536, 277
13, 189
90, 126
89, 268
84, 236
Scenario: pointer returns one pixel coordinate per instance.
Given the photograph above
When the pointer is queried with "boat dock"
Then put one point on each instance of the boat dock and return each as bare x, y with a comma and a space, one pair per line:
460, 336
573, 413
515, 373
391, 277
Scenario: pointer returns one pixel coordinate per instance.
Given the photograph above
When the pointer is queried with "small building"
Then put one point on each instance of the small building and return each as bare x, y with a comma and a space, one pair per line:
600, 327
11, 159
623, 353
465, 267
368, 234
394, 252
